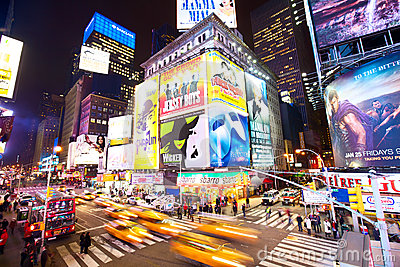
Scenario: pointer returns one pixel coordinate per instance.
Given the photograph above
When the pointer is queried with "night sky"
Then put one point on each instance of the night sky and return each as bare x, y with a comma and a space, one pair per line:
51, 29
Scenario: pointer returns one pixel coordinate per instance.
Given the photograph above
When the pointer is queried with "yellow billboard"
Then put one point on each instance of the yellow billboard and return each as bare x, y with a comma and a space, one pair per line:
225, 82
146, 125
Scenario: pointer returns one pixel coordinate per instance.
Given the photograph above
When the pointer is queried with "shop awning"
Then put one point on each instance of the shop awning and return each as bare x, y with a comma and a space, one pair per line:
267, 181
255, 181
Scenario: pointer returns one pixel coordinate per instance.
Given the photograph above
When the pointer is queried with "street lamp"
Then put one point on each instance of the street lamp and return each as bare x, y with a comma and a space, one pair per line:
303, 150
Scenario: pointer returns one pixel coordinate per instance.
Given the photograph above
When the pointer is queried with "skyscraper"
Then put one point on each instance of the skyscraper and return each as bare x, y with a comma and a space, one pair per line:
275, 43
161, 37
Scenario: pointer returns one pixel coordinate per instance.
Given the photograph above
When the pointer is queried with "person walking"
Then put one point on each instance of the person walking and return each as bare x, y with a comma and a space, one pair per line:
179, 212
88, 242
15, 205
247, 202
299, 223
313, 222
341, 220
334, 229
4, 224
244, 210
3, 240
185, 208
210, 208
234, 210
13, 224
82, 242
45, 256
328, 228
308, 225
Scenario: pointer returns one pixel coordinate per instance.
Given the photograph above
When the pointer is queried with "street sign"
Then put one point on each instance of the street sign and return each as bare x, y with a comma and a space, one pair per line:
313, 198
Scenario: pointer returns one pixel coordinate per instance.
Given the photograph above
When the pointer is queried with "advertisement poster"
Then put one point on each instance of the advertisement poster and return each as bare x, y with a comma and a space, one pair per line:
390, 204
90, 150
313, 198
182, 88
10, 55
229, 137
120, 157
225, 82
260, 130
146, 125
147, 178
222, 179
189, 13
184, 141
363, 110
94, 60
340, 20
120, 127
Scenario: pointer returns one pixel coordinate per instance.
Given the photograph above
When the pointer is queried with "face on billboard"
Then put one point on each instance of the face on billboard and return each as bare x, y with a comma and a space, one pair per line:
182, 88
260, 132
189, 13
146, 125
184, 141
225, 82
94, 60
337, 20
229, 137
10, 54
363, 109
89, 149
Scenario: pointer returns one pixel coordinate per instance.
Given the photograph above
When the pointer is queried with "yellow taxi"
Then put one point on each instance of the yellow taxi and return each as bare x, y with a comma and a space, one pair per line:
87, 196
120, 213
62, 188
79, 201
208, 250
148, 214
103, 202
127, 231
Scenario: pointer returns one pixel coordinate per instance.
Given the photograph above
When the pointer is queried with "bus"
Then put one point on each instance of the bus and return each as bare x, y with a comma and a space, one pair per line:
60, 219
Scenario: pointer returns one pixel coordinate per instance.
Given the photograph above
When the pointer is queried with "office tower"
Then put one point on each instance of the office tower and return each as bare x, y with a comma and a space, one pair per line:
161, 37
47, 132
50, 105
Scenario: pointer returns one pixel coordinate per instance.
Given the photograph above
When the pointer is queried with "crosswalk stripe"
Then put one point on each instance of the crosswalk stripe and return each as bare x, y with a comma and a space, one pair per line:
260, 220
290, 255
278, 259
269, 264
315, 241
164, 236
277, 221
184, 225
252, 212
148, 242
304, 245
108, 247
294, 225
312, 245
259, 212
156, 238
318, 239
100, 254
286, 221
307, 253
67, 257
84, 257
138, 245
118, 243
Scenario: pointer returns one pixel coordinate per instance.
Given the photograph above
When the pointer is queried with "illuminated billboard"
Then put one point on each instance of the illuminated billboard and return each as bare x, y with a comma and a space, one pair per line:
184, 141
94, 60
189, 13
10, 55
225, 82
363, 110
109, 28
6, 126
120, 129
229, 137
90, 150
146, 125
120, 157
182, 88
260, 129
341, 20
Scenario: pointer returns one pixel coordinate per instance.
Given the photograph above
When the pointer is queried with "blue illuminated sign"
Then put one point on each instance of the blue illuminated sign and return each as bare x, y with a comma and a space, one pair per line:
107, 27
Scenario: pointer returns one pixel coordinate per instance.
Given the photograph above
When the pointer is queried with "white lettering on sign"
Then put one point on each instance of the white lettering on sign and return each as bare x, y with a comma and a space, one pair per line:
115, 27
390, 204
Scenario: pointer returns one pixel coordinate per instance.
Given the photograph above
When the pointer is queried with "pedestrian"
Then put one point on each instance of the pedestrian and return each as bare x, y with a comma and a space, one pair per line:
247, 202
3, 240
88, 242
341, 220
200, 208
308, 225
328, 228
234, 210
185, 208
216, 208
334, 229
376, 233
244, 210
318, 223
13, 224
24, 256
82, 242
313, 222
45, 256
210, 208
280, 215
4, 224
192, 213
179, 211
299, 223
15, 204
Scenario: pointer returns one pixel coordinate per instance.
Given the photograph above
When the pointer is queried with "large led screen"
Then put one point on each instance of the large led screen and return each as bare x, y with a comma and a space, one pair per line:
189, 13
94, 60
146, 125
120, 127
184, 141
182, 88
225, 82
10, 54
340, 20
229, 137
363, 109
260, 129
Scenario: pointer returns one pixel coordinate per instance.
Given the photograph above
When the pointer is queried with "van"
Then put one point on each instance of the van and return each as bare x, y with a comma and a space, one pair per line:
270, 197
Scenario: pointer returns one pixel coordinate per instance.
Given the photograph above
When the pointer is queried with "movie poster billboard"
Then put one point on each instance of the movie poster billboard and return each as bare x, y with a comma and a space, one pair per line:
146, 125
120, 157
260, 129
189, 13
90, 150
229, 137
337, 20
225, 82
363, 110
182, 88
184, 141
10, 55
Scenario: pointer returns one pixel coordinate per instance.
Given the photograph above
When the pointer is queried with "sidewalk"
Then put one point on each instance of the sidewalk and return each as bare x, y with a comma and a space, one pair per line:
255, 201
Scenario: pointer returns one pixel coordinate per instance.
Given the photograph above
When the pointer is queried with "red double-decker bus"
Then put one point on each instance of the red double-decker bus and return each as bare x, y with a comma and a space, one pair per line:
60, 219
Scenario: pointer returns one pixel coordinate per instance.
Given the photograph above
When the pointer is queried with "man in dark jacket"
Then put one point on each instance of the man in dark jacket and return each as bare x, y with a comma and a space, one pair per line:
88, 242
299, 222
82, 242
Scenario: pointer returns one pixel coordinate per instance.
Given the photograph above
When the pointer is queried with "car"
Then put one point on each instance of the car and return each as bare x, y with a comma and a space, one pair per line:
79, 201
270, 197
99, 193
25, 199
70, 192
86, 195
166, 226
131, 200
208, 251
126, 231
103, 202
290, 198
62, 188
121, 213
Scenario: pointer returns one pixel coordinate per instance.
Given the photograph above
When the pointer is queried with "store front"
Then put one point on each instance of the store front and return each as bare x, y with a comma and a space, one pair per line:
207, 187
146, 183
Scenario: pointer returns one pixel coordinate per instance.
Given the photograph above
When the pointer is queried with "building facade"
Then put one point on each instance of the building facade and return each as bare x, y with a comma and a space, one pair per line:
95, 112
46, 134
51, 105
161, 37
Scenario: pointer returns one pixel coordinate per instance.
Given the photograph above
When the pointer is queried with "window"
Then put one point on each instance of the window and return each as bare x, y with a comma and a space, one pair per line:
170, 58
111, 111
93, 107
92, 120
99, 108
199, 39
204, 37
93, 114
104, 122
188, 46
105, 109
176, 54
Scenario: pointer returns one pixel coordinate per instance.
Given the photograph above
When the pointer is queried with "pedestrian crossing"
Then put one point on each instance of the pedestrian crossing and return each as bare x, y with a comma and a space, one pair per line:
301, 250
106, 247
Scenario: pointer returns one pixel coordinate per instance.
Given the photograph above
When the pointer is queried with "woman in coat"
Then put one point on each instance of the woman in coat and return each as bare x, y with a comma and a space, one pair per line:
328, 228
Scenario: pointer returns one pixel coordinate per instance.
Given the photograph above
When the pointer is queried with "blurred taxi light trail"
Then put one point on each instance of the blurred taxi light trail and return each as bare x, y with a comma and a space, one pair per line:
237, 233
228, 262
135, 238
170, 229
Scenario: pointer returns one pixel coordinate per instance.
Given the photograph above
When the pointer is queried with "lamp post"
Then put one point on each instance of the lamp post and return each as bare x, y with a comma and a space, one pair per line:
325, 175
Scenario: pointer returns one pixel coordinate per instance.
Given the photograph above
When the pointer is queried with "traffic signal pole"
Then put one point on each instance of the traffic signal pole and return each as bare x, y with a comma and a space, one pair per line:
46, 202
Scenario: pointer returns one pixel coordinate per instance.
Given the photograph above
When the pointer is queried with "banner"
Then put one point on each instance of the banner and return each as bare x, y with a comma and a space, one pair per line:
229, 137
94, 60
260, 130
10, 55
184, 141
213, 179
225, 82
182, 88
146, 125
120, 157
390, 204
313, 198
147, 178
363, 110
90, 150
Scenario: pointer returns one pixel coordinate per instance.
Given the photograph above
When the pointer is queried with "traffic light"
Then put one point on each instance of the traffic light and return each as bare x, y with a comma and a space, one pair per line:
50, 192
355, 199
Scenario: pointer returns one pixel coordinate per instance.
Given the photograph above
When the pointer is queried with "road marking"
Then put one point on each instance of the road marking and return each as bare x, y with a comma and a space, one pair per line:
84, 257
138, 245
148, 242
304, 245
81, 226
118, 243
308, 253
286, 222
253, 212
260, 220
101, 218
259, 212
90, 229
316, 242
291, 255
108, 247
318, 239
100, 254
269, 264
67, 257
163, 236
156, 238
278, 221
313, 246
